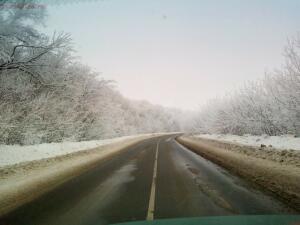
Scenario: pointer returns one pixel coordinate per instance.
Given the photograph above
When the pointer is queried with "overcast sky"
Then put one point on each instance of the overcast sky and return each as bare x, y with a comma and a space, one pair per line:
178, 53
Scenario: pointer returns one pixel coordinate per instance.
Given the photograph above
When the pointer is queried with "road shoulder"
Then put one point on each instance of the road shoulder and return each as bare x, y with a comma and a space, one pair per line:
22, 183
281, 179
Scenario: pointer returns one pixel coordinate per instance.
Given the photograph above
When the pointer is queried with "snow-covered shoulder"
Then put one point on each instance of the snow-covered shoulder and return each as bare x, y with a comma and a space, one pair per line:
279, 142
13, 154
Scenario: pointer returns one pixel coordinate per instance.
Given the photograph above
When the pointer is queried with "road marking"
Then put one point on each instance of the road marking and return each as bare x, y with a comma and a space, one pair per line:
169, 139
150, 213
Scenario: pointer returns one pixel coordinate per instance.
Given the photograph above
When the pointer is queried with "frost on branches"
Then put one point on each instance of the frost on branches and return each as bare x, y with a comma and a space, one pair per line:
47, 96
269, 106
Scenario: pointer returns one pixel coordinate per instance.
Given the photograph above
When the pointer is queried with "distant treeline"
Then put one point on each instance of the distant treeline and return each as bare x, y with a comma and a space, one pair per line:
268, 106
48, 96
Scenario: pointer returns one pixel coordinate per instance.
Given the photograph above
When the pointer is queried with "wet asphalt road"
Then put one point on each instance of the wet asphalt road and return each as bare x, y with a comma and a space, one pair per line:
124, 188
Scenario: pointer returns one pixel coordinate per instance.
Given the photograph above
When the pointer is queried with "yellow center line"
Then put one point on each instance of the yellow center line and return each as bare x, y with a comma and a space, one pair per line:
150, 213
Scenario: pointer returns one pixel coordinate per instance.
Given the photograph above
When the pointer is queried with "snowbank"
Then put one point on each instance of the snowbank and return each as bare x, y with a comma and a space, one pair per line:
13, 154
24, 182
279, 142
275, 172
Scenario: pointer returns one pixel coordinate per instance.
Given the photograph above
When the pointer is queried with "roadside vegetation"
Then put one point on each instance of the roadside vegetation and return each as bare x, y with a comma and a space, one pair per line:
268, 106
47, 95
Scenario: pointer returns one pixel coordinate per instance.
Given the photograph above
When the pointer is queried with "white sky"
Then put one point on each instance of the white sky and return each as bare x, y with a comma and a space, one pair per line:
178, 53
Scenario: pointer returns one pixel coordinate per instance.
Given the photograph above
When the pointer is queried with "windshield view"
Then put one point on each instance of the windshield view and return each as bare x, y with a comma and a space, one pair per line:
149, 112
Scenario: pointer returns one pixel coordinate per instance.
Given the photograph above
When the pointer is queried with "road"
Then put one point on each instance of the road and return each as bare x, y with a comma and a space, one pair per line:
157, 178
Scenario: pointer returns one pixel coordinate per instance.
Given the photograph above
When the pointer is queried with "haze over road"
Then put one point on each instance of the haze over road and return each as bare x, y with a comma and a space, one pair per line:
156, 178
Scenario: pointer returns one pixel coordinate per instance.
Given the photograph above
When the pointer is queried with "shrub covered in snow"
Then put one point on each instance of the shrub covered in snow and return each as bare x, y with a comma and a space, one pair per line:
47, 96
268, 106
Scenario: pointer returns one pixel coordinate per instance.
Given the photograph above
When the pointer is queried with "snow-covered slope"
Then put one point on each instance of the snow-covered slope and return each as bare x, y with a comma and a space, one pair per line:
13, 154
279, 142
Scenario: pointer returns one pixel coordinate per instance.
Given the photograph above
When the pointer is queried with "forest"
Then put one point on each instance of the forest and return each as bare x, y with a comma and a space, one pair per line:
48, 95
268, 106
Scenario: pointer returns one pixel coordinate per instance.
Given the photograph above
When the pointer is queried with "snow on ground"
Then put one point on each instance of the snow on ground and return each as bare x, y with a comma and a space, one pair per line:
12, 154
279, 142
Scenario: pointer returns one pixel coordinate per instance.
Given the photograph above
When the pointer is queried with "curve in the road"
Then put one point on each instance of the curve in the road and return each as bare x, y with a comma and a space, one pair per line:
155, 179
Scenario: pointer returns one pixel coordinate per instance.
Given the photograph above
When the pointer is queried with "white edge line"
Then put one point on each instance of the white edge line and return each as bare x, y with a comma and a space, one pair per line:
150, 212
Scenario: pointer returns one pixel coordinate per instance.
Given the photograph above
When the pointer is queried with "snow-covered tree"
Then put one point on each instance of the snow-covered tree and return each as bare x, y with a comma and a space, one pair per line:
268, 106
48, 96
